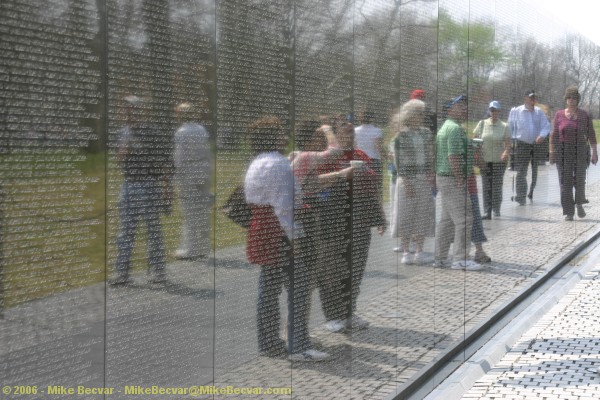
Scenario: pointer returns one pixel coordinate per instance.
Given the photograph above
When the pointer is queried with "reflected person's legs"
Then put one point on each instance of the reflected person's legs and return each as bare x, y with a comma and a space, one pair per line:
129, 213
456, 206
156, 247
195, 210
361, 239
270, 286
487, 183
333, 257
581, 166
522, 158
497, 182
536, 156
445, 227
298, 273
565, 165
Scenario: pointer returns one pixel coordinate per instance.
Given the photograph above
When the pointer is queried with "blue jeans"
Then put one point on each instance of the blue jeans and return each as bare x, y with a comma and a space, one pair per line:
477, 234
293, 273
140, 201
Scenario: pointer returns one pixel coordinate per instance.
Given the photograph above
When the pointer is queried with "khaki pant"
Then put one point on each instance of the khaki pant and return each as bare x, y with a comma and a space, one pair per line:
456, 222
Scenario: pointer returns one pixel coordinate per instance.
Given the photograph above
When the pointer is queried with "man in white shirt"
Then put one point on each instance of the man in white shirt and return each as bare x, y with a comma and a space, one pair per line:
530, 127
369, 139
193, 175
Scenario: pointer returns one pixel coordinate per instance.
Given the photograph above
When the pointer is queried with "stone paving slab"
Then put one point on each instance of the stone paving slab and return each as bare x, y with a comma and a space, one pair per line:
557, 358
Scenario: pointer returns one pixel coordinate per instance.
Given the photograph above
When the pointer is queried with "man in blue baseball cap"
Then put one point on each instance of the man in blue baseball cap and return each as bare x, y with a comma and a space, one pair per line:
454, 163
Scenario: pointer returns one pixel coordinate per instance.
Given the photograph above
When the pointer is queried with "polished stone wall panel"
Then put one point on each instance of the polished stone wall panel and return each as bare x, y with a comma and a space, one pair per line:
125, 126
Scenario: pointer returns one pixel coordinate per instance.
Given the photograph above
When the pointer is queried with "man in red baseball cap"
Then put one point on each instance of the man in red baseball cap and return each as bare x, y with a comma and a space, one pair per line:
430, 115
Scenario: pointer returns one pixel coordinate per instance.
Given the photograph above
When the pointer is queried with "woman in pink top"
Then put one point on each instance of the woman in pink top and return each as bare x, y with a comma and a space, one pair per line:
572, 135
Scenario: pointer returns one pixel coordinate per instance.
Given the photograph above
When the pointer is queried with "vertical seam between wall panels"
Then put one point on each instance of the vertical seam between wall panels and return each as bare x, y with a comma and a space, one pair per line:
437, 73
106, 158
292, 125
397, 336
495, 41
215, 186
467, 195
352, 94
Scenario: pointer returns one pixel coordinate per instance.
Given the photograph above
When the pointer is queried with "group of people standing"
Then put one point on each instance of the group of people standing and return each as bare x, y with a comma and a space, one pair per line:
421, 173
312, 212
318, 210
428, 163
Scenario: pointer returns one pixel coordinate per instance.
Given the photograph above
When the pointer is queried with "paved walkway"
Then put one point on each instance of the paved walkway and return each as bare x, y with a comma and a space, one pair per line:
200, 329
558, 358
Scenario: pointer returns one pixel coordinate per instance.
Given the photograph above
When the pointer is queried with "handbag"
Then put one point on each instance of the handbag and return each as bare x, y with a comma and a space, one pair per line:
236, 208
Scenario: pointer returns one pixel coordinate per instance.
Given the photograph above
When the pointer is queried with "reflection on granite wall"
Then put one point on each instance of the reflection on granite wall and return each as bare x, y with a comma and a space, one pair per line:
131, 132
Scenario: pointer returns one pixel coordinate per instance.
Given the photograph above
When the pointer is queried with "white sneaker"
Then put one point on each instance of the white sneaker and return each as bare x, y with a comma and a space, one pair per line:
357, 322
181, 254
419, 258
441, 264
336, 326
186, 255
398, 249
466, 265
407, 258
473, 266
310, 355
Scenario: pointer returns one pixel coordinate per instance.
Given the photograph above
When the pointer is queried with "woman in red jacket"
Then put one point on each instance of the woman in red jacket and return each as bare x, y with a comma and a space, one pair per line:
572, 135
348, 210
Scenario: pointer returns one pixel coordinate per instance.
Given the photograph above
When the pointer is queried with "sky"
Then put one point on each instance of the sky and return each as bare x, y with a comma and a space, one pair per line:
581, 15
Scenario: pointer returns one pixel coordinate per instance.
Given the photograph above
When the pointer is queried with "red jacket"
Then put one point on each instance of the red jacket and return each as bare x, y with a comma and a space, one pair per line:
266, 237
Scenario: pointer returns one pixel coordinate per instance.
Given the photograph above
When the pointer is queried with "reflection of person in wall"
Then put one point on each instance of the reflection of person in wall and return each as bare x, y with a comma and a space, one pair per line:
454, 164
275, 243
193, 172
413, 212
369, 139
529, 127
145, 157
349, 208
572, 135
477, 234
316, 144
495, 152
430, 118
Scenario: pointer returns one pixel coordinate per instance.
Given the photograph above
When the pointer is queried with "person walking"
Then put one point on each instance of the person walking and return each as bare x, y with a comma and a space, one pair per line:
529, 127
572, 136
495, 152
